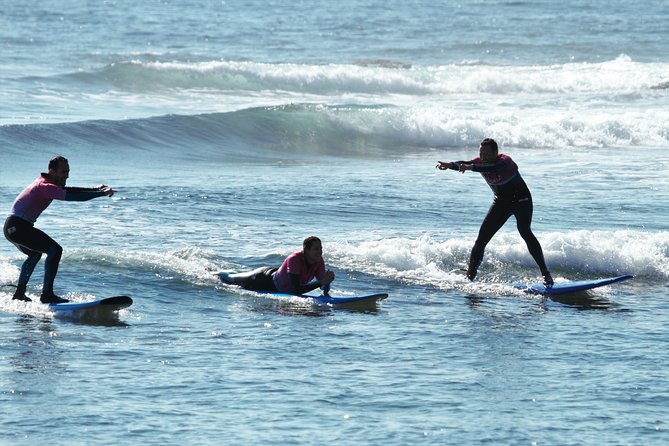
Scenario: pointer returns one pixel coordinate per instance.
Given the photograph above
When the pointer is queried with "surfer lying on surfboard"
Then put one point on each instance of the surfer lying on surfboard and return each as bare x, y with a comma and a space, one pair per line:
512, 197
294, 276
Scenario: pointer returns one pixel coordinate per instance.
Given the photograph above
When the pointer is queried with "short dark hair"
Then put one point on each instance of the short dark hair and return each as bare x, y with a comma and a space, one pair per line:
306, 244
489, 142
55, 162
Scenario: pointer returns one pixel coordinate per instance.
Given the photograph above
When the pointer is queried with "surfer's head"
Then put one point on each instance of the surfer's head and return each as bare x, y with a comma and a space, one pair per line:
313, 249
59, 170
488, 150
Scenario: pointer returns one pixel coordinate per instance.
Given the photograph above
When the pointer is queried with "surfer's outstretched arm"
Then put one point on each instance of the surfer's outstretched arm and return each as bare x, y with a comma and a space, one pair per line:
460, 166
85, 193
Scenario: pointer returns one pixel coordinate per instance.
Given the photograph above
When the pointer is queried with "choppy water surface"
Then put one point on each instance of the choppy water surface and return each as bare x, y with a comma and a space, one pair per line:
232, 130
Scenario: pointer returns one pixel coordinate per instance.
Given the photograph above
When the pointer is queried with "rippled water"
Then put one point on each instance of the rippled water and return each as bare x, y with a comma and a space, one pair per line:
233, 130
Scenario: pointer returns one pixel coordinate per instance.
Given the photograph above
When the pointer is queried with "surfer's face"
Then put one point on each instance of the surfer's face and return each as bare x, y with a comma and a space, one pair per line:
487, 154
60, 174
314, 253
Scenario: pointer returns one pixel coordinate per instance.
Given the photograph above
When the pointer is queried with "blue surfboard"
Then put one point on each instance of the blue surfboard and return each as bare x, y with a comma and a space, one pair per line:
225, 277
330, 300
108, 304
568, 287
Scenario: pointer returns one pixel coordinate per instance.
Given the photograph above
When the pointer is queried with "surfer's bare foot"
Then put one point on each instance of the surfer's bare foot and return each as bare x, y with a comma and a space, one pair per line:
548, 279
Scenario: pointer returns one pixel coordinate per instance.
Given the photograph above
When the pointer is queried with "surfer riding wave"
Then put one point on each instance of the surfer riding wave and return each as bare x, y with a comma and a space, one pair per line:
19, 226
512, 197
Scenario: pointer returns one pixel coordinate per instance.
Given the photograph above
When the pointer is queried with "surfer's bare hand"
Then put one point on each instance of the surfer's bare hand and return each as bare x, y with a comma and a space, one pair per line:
328, 277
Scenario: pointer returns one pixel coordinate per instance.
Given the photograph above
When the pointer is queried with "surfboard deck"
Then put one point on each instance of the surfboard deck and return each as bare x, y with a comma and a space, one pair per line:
114, 303
568, 287
332, 300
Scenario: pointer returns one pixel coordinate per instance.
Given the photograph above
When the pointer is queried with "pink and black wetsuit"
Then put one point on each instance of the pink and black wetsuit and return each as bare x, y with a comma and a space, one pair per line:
512, 197
19, 226
294, 276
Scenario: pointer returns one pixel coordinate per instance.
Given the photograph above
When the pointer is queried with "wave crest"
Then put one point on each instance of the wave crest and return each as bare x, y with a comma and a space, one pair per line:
344, 130
380, 77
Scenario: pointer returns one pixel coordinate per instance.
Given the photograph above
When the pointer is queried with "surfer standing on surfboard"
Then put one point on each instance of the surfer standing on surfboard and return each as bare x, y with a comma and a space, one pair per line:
512, 197
19, 226
292, 277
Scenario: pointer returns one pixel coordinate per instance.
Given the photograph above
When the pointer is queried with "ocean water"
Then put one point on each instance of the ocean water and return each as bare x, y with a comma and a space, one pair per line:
231, 130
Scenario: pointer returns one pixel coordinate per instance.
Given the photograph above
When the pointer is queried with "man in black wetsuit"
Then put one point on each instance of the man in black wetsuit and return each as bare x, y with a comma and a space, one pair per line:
19, 226
512, 197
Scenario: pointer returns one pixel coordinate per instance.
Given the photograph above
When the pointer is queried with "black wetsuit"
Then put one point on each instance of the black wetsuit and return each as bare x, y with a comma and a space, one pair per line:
512, 197
262, 280
19, 227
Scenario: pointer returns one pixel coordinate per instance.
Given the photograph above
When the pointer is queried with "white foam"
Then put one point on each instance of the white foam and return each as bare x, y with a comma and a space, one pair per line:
585, 253
619, 76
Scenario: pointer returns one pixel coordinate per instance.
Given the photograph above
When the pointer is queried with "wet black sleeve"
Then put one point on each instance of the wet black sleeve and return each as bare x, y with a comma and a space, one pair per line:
458, 163
82, 193
497, 167
298, 288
